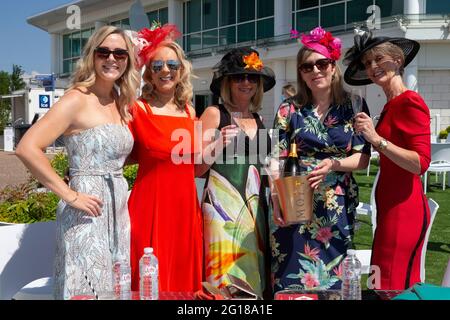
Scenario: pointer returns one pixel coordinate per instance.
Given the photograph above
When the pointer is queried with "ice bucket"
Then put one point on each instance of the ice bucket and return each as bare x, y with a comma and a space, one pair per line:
295, 196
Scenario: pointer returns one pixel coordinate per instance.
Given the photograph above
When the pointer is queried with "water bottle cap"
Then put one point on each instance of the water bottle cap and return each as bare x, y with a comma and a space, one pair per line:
351, 252
148, 250
120, 258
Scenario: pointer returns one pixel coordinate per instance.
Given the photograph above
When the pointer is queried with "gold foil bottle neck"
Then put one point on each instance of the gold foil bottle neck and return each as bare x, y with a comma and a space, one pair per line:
293, 150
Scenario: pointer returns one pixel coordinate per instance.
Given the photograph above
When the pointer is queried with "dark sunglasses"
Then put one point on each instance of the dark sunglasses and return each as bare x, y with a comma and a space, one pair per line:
158, 65
252, 78
321, 64
104, 53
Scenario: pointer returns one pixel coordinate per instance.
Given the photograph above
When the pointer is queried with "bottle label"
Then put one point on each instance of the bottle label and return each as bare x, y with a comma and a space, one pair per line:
149, 270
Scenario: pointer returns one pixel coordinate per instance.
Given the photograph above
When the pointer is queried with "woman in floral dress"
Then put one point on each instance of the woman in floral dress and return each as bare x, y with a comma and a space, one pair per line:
319, 119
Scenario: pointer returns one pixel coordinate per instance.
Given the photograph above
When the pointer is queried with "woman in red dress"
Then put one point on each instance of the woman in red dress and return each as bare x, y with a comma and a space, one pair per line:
402, 137
163, 204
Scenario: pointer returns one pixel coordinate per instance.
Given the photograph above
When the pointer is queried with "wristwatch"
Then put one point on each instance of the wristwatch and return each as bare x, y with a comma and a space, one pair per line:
383, 144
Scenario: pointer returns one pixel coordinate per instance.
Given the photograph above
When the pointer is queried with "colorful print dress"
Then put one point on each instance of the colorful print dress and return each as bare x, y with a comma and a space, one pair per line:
308, 256
235, 214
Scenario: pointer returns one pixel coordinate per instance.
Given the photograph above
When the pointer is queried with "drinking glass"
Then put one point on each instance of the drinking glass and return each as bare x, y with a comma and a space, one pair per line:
357, 102
235, 116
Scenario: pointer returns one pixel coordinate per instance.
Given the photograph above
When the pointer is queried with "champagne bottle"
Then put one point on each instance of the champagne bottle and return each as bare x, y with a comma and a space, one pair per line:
292, 166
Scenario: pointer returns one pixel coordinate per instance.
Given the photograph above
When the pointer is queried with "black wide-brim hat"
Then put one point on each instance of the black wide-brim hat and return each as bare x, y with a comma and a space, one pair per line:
356, 74
233, 63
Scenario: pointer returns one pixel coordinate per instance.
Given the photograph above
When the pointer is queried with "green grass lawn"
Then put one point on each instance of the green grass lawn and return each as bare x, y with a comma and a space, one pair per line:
438, 251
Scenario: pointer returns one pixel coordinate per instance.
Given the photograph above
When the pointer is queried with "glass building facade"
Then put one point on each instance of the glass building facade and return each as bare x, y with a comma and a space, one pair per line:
73, 43
224, 22
307, 14
437, 7
211, 23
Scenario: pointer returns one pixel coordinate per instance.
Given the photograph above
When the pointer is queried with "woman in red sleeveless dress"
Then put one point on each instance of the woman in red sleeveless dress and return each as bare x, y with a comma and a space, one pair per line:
163, 204
402, 138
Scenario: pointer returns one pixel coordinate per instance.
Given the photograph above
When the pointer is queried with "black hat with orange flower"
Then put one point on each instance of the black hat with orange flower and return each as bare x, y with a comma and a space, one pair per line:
241, 61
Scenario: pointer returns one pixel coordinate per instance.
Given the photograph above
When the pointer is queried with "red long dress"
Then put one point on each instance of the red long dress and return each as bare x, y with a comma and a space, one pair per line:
402, 208
163, 205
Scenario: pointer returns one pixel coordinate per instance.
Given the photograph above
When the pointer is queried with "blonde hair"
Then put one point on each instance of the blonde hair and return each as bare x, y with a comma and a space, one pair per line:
388, 49
255, 101
304, 94
183, 92
289, 89
128, 83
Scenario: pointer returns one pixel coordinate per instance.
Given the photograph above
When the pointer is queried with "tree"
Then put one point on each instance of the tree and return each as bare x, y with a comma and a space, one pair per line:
16, 81
5, 83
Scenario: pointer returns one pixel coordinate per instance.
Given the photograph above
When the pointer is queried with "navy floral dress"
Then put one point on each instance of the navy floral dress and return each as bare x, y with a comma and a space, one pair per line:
308, 256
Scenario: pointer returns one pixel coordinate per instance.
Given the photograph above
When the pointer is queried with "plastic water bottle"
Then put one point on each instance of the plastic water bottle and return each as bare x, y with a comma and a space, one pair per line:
122, 279
351, 277
148, 274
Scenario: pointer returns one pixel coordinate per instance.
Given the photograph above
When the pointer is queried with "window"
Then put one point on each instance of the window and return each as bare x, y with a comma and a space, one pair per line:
246, 10
193, 42
123, 24
307, 20
307, 14
246, 32
265, 8
210, 38
437, 7
209, 14
73, 44
356, 10
227, 12
265, 28
333, 15
152, 16
305, 4
390, 7
227, 36
209, 23
160, 15
193, 22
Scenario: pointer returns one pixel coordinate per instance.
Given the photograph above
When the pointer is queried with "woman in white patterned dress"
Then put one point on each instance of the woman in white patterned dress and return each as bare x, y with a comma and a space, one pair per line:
92, 218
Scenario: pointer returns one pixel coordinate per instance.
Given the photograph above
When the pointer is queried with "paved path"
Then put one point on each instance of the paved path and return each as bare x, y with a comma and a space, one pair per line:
12, 171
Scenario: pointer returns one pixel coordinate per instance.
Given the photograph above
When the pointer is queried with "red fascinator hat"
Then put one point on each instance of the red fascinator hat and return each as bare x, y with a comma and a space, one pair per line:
147, 40
322, 42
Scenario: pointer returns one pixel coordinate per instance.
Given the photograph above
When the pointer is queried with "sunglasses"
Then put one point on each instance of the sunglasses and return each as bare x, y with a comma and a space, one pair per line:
252, 78
104, 53
158, 65
321, 64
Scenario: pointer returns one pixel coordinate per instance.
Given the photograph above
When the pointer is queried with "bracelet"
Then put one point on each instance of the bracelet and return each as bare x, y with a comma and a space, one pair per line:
76, 198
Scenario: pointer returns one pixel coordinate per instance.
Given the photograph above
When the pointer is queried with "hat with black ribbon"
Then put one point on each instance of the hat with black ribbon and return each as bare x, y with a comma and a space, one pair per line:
356, 74
241, 61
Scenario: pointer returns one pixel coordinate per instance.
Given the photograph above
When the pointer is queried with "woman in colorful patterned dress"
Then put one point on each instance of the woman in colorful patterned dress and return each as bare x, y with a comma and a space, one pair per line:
319, 119
234, 202
92, 222
164, 209
402, 137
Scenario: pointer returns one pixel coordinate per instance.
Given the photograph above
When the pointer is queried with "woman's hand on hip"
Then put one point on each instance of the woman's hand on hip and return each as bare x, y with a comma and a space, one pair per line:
87, 203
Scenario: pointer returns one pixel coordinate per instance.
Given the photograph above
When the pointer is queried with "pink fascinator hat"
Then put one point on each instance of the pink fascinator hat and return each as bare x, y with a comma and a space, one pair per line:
321, 41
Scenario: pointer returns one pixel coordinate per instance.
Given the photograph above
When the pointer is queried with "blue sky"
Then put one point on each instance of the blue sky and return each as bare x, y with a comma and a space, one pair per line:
22, 43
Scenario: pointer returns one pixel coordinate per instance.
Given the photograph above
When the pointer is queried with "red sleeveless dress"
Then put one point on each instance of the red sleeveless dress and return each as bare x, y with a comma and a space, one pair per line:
163, 205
